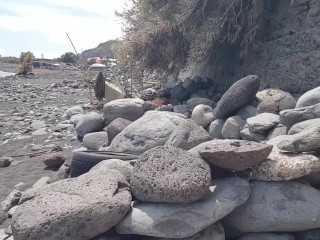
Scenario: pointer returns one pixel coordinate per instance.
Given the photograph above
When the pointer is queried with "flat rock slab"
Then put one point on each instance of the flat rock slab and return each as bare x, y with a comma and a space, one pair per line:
276, 207
305, 125
233, 154
174, 220
305, 141
169, 174
151, 130
238, 95
187, 135
79, 208
293, 116
263, 122
284, 167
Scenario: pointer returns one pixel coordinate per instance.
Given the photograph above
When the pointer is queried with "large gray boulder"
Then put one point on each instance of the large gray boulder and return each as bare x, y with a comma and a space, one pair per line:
305, 141
90, 122
276, 207
284, 167
169, 174
293, 116
238, 95
232, 127
274, 101
267, 236
232, 154
176, 220
301, 126
263, 122
202, 115
187, 135
128, 108
215, 129
151, 130
116, 127
78, 208
310, 98
95, 140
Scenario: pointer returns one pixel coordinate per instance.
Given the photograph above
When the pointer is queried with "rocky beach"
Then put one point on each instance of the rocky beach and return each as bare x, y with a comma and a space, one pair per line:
244, 165
30, 110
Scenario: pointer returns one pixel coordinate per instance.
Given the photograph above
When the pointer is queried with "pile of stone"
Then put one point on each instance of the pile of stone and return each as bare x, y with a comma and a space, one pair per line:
247, 168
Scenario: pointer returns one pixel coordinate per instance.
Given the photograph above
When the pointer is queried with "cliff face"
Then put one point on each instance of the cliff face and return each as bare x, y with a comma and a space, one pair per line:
287, 57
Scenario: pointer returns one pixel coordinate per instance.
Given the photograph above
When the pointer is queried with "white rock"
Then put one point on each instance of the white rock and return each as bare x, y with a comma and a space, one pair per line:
202, 115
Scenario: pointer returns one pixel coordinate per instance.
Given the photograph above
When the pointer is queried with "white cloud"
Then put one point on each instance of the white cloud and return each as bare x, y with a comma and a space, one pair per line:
87, 22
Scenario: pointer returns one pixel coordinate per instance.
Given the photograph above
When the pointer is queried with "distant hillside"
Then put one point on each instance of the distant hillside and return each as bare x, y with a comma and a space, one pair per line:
103, 50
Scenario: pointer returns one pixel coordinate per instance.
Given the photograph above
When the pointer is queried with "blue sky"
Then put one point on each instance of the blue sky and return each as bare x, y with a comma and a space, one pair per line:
41, 26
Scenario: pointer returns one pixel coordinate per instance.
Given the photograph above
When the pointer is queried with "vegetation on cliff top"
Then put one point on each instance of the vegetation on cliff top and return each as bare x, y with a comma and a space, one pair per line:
167, 35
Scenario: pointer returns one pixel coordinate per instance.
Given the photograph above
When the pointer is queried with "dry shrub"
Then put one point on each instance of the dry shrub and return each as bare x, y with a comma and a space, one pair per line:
166, 35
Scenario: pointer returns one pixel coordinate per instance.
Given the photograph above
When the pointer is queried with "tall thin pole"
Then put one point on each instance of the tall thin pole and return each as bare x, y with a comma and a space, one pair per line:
72, 44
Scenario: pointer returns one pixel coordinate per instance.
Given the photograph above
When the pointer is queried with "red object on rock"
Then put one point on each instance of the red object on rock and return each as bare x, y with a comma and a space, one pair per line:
160, 101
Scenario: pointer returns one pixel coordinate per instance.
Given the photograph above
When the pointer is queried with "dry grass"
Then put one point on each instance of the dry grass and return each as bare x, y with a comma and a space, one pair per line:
166, 35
